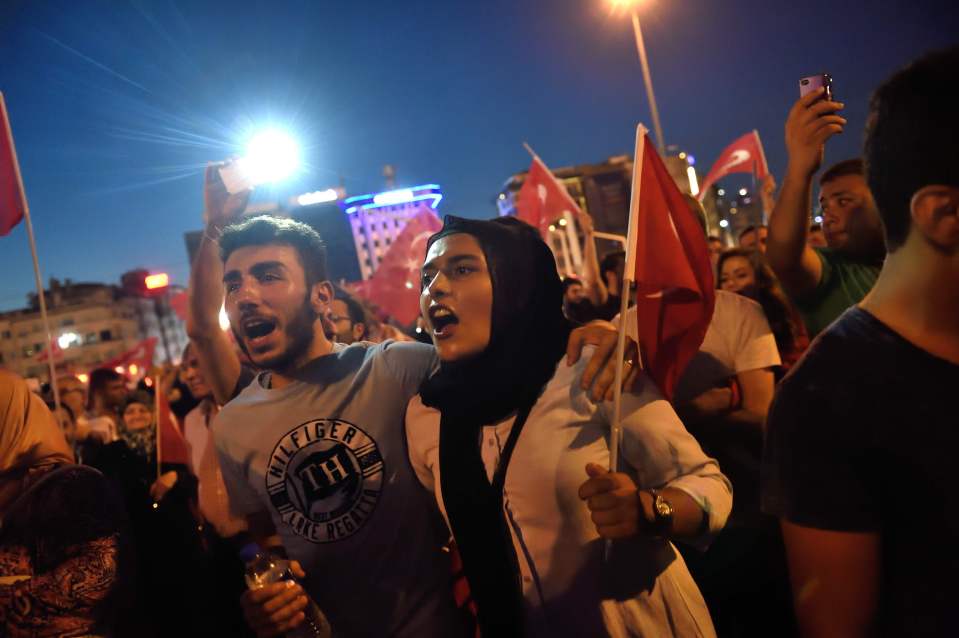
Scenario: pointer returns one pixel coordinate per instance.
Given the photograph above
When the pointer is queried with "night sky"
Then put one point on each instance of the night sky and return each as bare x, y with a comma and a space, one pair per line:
117, 105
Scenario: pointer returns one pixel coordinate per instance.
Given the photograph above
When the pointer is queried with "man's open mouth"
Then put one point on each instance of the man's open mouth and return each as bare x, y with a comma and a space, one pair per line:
257, 329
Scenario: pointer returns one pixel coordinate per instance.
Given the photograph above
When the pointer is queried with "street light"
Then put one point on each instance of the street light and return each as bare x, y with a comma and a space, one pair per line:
647, 78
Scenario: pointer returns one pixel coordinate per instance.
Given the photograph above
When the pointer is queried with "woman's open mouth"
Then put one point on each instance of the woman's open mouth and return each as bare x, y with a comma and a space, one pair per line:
444, 322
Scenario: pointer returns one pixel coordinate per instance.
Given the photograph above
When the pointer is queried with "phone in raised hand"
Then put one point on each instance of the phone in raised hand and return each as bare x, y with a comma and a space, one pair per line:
822, 81
234, 178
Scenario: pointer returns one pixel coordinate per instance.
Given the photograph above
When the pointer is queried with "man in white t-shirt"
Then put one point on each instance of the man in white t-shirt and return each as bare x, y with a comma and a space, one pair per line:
723, 397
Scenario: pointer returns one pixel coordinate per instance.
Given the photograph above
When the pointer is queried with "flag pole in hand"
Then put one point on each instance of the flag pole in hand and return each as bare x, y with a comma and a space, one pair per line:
629, 269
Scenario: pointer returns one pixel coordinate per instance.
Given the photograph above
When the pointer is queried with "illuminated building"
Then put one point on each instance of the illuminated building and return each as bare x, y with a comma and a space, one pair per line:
91, 322
377, 218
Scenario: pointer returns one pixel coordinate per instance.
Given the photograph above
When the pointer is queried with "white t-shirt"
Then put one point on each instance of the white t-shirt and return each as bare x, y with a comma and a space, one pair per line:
213, 500
326, 458
645, 588
738, 339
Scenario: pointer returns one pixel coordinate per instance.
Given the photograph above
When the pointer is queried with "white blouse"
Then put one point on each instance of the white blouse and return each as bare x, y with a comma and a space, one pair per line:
644, 588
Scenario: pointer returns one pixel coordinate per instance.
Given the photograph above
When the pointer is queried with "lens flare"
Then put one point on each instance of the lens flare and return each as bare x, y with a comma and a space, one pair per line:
271, 156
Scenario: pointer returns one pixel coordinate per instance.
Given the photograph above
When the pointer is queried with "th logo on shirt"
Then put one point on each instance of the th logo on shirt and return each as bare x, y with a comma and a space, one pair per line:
324, 479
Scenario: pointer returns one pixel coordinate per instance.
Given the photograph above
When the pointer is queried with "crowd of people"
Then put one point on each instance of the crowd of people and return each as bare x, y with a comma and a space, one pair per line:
797, 483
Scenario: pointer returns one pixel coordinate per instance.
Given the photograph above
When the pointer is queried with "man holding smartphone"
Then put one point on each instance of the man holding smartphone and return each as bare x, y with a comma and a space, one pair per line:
861, 440
823, 282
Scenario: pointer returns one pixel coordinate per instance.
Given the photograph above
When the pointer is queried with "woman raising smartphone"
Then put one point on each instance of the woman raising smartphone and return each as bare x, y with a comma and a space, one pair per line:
517, 456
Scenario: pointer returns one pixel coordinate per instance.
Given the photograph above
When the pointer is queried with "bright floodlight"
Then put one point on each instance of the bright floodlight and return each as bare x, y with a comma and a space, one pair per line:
270, 157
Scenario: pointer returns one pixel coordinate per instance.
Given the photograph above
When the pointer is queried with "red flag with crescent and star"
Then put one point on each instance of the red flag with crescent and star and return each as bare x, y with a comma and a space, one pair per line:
745, 155
395, 286
11, 195
543, 199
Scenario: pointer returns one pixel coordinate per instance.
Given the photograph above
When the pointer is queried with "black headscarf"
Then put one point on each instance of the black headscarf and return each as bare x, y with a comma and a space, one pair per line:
528, 337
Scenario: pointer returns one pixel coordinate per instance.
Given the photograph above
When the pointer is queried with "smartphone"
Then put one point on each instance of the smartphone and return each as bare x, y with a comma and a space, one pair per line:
809, 84
234, 178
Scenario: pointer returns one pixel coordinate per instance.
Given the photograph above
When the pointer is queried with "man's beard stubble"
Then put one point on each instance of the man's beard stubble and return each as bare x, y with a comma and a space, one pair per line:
299, 334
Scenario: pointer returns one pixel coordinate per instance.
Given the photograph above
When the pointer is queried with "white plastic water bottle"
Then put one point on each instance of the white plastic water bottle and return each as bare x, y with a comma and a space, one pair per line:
263, 569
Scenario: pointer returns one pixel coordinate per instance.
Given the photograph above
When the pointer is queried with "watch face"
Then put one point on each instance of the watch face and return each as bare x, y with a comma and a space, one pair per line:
663, 508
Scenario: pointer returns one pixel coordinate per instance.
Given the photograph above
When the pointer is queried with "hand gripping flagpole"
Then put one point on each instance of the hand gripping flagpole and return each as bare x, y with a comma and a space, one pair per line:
629, 271
41, 298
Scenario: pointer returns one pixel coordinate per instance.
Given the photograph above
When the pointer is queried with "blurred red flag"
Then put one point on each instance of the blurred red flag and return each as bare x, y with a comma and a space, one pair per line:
180, 303
543, 199
669, 259
395, 286
171, 446
140, 354
745, 155
11, 196
53, 348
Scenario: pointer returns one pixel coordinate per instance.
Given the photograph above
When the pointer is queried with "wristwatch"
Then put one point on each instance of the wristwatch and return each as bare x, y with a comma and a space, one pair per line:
662, 521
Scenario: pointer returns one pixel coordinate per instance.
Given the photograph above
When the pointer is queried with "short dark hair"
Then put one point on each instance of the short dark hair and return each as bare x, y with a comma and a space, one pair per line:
714, 238
611, 261
852, 166
569, 282
815, 227
353, 307
911, 138
749, 229
264, 229
99, 379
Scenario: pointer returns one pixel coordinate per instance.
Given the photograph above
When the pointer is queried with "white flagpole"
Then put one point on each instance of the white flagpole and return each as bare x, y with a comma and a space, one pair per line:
156, 418
762, 153
628, 273
616, 432
36, 262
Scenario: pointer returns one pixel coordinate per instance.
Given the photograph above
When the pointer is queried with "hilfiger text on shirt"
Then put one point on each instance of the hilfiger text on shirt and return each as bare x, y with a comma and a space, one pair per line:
324, 479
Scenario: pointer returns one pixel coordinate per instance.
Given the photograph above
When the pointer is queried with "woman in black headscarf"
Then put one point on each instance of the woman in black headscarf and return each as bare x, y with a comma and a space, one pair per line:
517, 455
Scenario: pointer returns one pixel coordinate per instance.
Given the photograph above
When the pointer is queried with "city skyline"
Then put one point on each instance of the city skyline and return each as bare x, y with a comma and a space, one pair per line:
116, 110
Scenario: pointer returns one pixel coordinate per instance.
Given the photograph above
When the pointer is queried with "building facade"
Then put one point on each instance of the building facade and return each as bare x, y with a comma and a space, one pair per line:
91, 323
377, 219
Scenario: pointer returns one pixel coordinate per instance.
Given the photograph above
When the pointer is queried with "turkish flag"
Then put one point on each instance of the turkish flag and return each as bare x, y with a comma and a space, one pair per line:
669, 261
543, 199
745, 155
180, 302
11, 195
140, 354
395, 286
171, 446
52, 348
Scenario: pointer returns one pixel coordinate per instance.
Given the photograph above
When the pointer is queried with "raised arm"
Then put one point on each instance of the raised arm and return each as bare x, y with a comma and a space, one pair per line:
809, 125
215, 352
595, 286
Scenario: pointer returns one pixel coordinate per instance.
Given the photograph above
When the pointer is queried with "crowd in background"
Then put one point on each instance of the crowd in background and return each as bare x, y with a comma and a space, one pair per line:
811, 436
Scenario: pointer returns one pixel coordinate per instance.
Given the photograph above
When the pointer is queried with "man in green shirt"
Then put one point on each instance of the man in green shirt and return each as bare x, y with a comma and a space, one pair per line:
823, 282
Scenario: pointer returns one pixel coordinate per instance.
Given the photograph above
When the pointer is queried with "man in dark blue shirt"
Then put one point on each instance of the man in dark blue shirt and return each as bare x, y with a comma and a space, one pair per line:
861, 445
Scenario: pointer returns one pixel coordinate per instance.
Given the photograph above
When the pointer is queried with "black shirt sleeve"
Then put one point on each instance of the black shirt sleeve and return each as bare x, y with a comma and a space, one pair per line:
818, 470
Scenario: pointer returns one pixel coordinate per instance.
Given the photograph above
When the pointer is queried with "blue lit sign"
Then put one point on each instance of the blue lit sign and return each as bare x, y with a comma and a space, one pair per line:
426, 192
